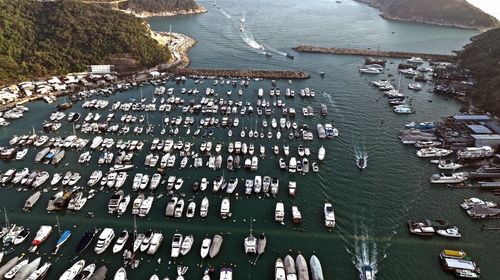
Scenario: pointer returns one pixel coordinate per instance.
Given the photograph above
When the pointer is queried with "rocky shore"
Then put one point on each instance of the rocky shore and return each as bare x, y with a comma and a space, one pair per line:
144, 14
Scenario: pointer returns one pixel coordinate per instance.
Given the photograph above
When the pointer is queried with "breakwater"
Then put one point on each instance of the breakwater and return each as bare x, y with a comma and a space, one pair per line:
374, 53
265, 74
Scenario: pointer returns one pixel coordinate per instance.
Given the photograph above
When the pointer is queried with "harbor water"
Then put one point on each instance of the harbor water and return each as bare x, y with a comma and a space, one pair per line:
372, 206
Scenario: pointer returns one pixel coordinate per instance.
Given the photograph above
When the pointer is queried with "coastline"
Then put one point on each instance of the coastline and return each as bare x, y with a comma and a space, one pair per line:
199, 10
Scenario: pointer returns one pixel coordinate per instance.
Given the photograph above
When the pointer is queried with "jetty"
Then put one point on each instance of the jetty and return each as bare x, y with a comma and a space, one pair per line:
264, 74
372, 53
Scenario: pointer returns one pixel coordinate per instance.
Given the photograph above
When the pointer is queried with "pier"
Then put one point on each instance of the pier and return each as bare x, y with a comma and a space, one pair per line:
264, 74
372, 53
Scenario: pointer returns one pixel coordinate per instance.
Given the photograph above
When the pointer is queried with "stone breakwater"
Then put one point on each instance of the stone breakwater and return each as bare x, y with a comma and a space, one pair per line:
374, 53
264, 74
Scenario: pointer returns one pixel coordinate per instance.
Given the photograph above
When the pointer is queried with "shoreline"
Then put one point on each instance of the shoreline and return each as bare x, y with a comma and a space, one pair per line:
199, 10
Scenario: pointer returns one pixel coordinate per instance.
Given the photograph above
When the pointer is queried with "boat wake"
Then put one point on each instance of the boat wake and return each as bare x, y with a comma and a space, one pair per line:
274, 50
228, 16
360, 153
250, 41
327, 95
365, 250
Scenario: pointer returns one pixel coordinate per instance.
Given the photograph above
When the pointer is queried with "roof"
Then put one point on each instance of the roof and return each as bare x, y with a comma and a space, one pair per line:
486, 136
493, 126
461, 264
479, 129
471, 118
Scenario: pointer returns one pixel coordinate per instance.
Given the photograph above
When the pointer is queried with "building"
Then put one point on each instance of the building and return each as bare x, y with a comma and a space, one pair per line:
100, 69
492, 140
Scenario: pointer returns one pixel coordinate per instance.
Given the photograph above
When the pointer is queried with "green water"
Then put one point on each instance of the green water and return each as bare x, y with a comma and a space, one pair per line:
371, 206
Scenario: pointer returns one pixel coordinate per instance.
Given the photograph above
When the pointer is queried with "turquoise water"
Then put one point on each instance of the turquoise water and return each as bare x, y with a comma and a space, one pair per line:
372, 206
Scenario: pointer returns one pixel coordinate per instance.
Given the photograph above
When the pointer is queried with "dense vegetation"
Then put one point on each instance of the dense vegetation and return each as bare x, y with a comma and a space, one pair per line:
158, 6
446, 12
482, 57
39, 39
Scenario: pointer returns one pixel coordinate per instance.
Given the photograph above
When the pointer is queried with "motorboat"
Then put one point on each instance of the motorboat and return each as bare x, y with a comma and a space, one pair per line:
291, 273
205, 247
225, 208
366, 273
329, 215
279, 270
105, 239
321, 153
74, 270
225, 272
32, 199
191, 209
433, 152
86, 240
155, 243
448, 165
215, 246
301, 266
449, 232
296, 215
474, 201
186, 245
261, 244
279, 212
62, 239
454, 178
41, 235
86, 272
250, 244
176, 245
316, 270
475, 152
121, 274
121, 241
362, 162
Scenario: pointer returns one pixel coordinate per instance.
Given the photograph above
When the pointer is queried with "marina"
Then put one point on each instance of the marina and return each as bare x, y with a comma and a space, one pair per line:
185, 171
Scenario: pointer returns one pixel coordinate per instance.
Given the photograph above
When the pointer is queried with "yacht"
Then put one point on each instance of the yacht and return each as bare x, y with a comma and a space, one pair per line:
114, 201
321, 153
14, 270
121, 241
86, 240
146, 206
250, 244
279, 270
205, 247
215, 246
204, 207
225, 208
291, 273
296, 215
71, 272
454, 178
448, 165
301, 265
279, 212
105, 238
449, 232
121, 274
329, 215
95, 177
225, 272
136, 204
475, 152
176, 245
41, 235
186, 245
474, 201
433, 152
30, 202
316, 270
155, 243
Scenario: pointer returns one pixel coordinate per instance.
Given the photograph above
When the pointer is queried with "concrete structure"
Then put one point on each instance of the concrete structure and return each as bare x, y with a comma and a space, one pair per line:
100, 69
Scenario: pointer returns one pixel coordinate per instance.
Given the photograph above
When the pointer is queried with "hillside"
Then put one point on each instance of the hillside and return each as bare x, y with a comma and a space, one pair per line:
482, 57
147, 8
457, 13
39, 39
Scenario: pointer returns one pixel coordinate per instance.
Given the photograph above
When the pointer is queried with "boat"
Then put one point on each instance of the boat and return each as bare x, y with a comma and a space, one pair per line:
316, 270
454, 178
21, 236
176, 245
448, 165
261, 244
138, 242
225, 208
121, 241
250, 244
186, 245
62, 239
120, 274
86, 272
302, 271
40, 273
366, 273
191, 209
291, 273
105, 239
321, 153
205, 247
86, 240
30, 202
99, 274
449, 232
8, 266
155, 243
14, 270
296, 215
114, 201
475, 152
362, 162
146, 241
474, 201
41, 235
279, 212
215, 246
225, 272
204, 207
329, 215
71, 272
279, 270
433, 152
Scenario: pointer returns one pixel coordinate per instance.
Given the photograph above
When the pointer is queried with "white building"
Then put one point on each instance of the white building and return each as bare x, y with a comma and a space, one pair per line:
100, 69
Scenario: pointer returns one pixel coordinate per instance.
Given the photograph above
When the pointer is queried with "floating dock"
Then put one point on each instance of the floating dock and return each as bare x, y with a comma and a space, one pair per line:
264, 74
372, 53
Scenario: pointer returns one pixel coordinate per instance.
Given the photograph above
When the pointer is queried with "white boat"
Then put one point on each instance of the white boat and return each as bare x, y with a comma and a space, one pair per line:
449, 232
146, 206
191, 209
279, 270
316, 270
205, 247
155, 243
329, 215
447, 179
204, 207
121, 274
321, 153
30, 202
179, 208
291, 273
71, 272
226, 274
250, 244
475, 152
433, 152
215, 246
187, 243
121, 241
13, 271
225, 208
41, 235
40, 272
474, 201
105, 239
301, 266
176, 245
279, 212
122, 207
448, 165
138, 241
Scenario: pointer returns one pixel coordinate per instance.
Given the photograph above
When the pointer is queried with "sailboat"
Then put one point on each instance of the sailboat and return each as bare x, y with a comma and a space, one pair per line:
63, 237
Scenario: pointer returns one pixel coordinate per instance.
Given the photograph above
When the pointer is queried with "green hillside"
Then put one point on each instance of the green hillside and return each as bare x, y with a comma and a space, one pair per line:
158, 6
444, 12
39, 39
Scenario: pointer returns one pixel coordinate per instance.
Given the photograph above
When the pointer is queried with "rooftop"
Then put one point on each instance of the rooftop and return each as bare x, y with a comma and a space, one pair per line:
471, 118
479, 129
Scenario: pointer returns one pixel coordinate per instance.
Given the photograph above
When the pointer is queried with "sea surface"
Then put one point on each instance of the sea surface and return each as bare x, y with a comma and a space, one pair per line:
372, 206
